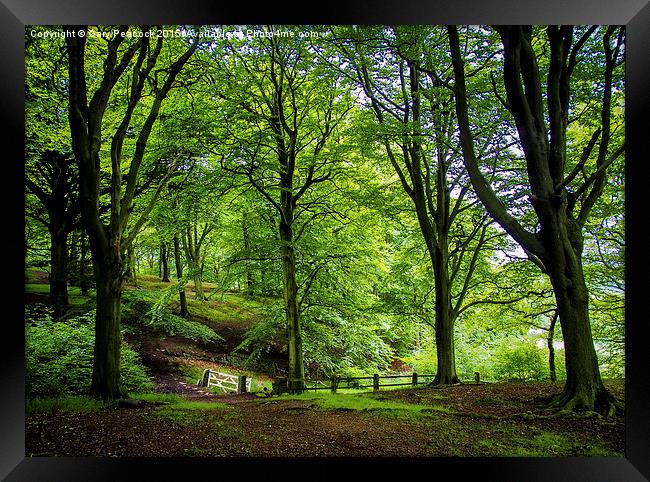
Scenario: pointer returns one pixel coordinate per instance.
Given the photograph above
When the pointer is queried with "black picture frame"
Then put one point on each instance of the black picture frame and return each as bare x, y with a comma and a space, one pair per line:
16, 14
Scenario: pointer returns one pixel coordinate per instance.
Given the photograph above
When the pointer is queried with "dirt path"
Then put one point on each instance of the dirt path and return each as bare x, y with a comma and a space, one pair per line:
170, 383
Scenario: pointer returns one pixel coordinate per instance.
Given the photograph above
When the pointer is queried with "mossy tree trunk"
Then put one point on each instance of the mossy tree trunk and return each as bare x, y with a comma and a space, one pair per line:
106, 375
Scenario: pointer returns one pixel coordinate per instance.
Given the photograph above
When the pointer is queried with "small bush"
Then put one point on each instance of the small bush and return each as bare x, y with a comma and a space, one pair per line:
423, 360
59, 358
522, 361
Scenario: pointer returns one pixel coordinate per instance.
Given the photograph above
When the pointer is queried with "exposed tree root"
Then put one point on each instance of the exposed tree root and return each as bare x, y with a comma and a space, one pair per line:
435, 384
605, 404
556, 414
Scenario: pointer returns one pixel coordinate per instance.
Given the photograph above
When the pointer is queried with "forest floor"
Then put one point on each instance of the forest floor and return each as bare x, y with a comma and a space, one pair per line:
463, 420
182, 419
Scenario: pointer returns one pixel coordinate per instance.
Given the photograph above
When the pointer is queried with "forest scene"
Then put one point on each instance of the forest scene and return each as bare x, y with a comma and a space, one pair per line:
325, 240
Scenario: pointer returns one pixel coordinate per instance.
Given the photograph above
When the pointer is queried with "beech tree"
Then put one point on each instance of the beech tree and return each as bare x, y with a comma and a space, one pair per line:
562, 194
50, 172
280, 136
53, 182
138, 56
406, 90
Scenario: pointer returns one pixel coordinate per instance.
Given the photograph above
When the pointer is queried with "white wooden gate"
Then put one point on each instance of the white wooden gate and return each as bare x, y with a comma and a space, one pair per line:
225, 381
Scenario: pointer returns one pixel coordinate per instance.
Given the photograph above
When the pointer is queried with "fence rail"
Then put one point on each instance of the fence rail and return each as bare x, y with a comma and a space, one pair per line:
336, 383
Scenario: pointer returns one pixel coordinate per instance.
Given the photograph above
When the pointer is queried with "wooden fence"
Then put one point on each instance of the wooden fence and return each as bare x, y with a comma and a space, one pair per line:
374, 382
225, 381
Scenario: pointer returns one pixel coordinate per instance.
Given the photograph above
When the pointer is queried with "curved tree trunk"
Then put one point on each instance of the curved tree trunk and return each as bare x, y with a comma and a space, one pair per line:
584, 389
557, 246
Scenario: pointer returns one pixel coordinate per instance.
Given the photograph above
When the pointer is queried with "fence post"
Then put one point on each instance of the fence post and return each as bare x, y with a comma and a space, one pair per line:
335, 383
477, 377
415, 378
203, 382
241, 384
280, 385
375, 382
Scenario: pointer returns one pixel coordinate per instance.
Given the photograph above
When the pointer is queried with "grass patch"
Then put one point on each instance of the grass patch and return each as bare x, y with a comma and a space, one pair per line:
546, 444
39, 288
185, 404
176, 401
543, 444
191, 373
183, 411
365, 402
217, 312
187, 413
74, 292
184, 418
152, 397
64, 404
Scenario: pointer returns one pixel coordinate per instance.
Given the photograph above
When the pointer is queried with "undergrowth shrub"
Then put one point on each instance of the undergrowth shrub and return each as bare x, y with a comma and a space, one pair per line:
422, 360
521, 361
64, 403
144, 308
332, 343
59, 358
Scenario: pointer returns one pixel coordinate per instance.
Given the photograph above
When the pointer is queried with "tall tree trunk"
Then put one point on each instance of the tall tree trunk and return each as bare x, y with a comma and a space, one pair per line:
434, 222
164, 255
192, 244
86, 135
445, 352
437, 242
557, 246
179, 275
296, 382
59, 272
108, 339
